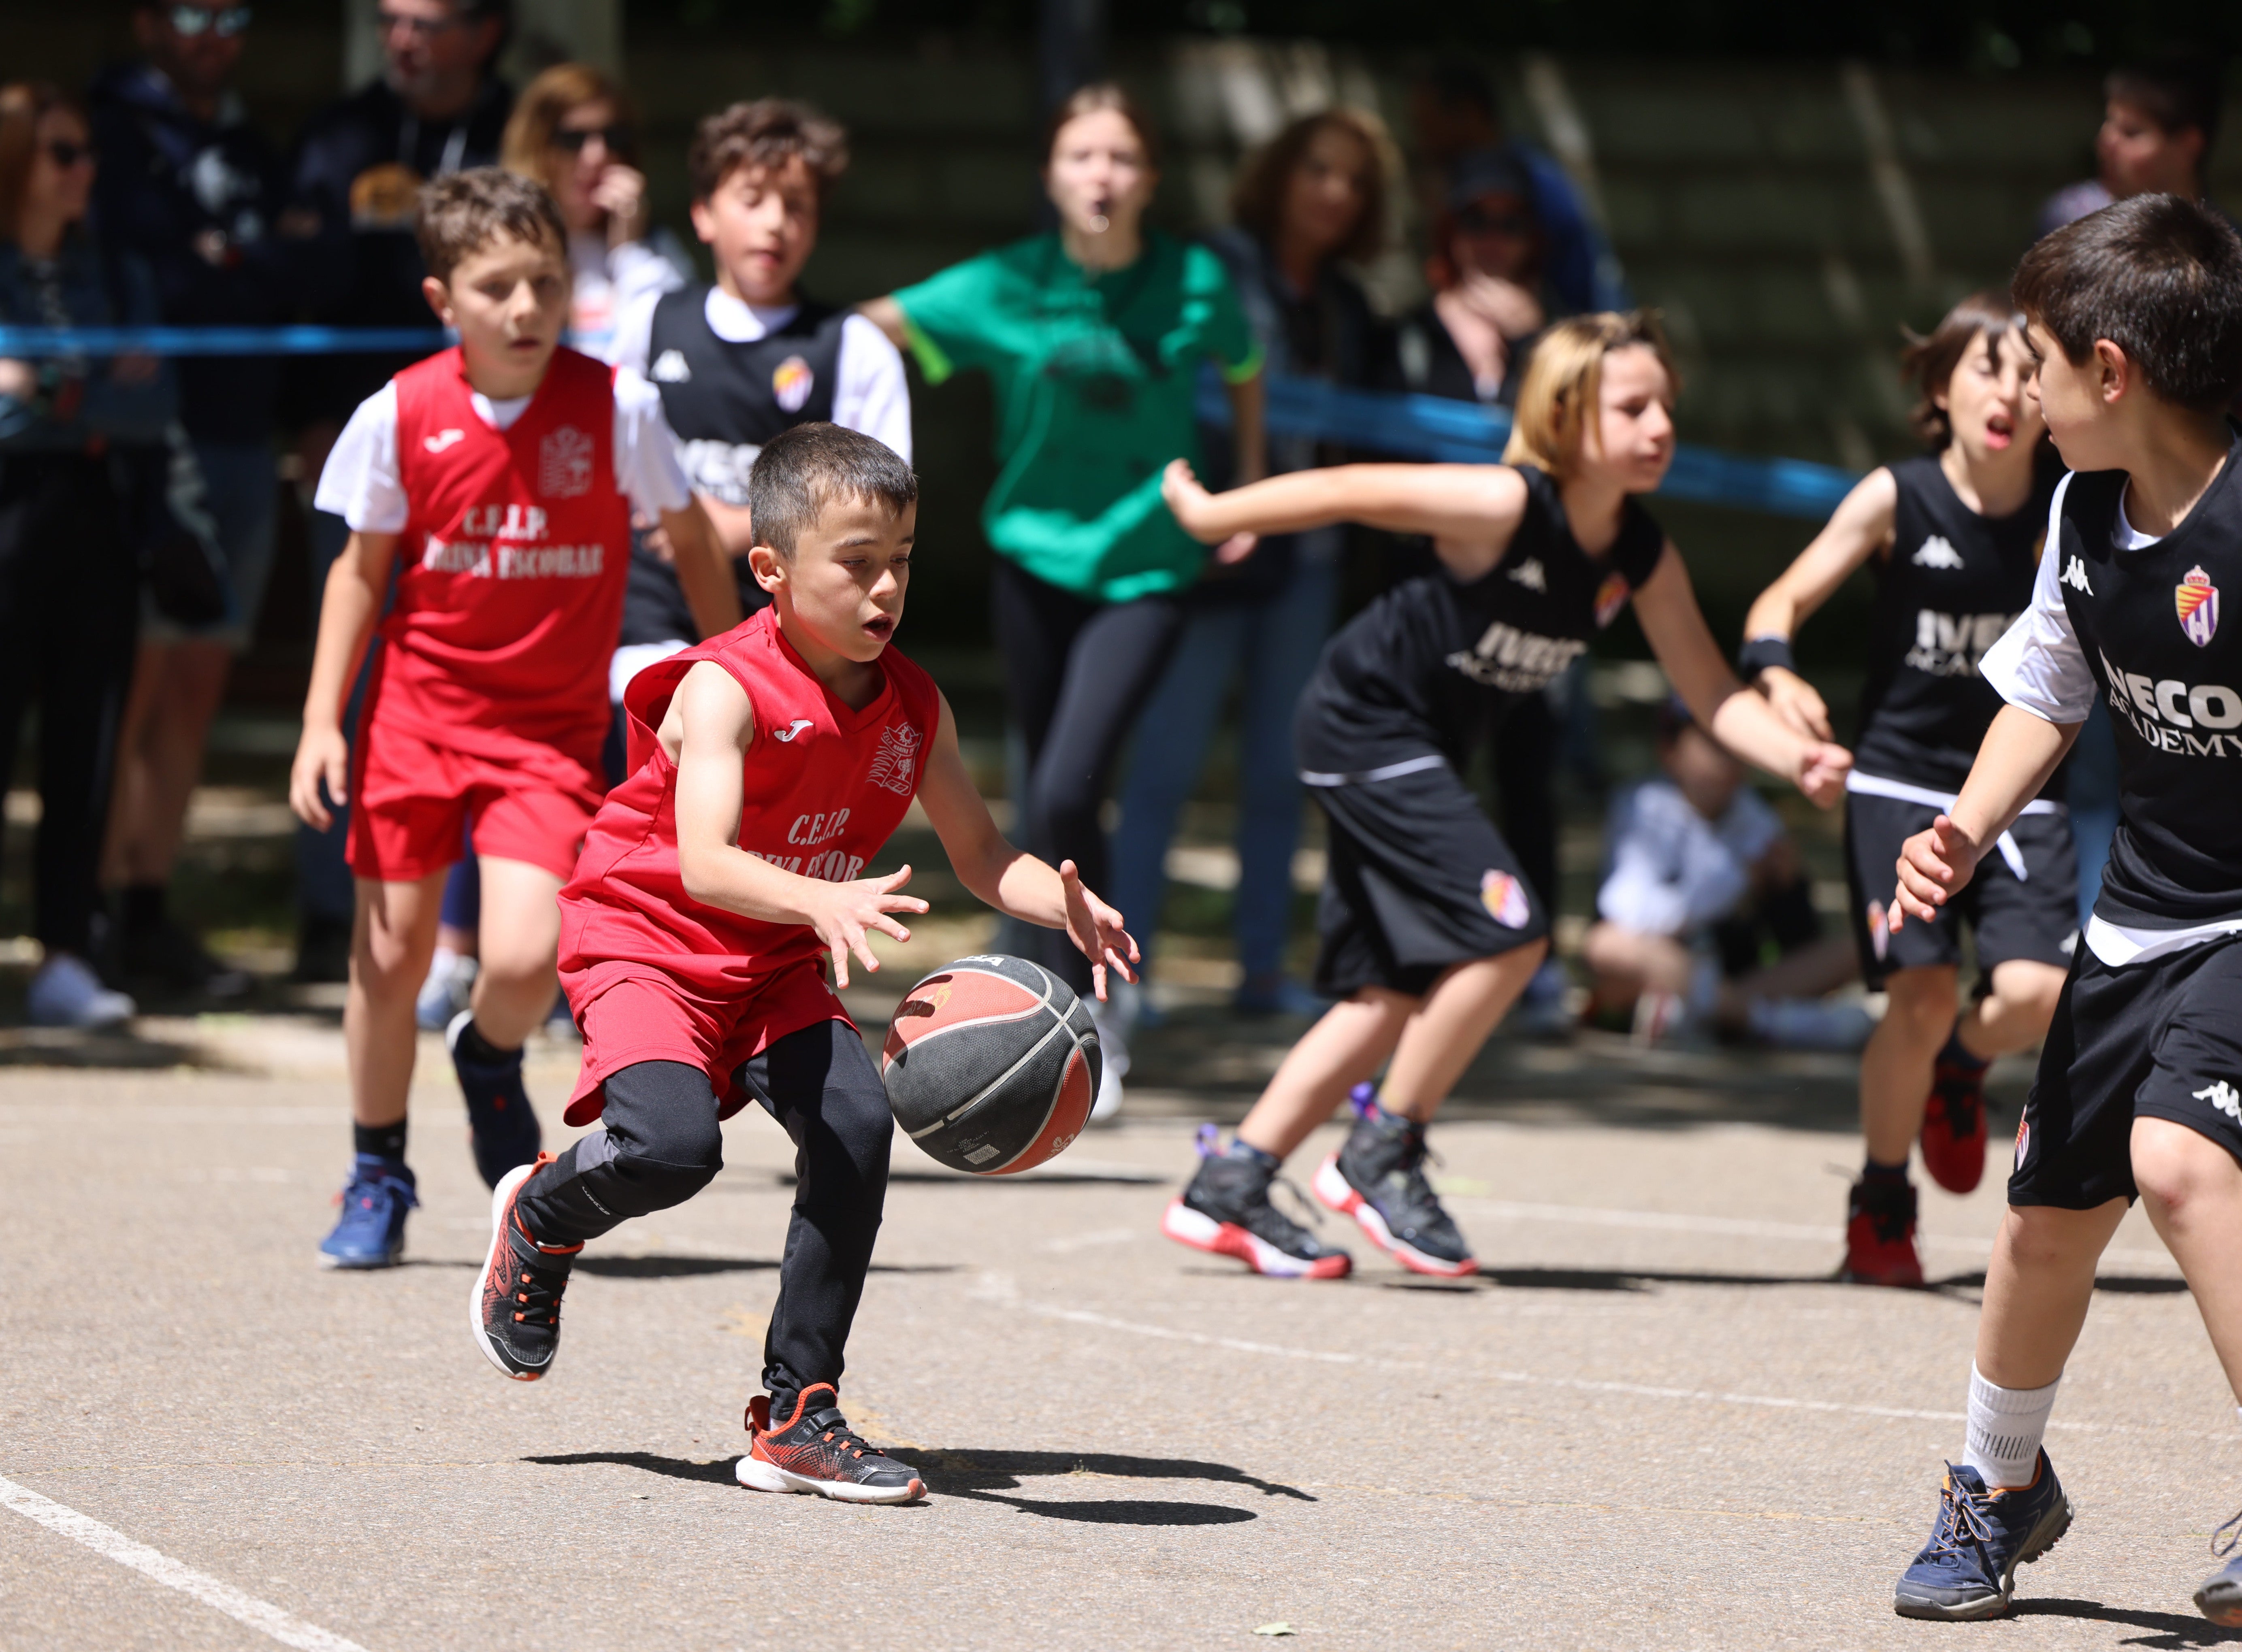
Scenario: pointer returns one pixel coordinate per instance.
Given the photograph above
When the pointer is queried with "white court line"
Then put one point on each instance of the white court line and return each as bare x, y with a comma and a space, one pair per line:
260, 1615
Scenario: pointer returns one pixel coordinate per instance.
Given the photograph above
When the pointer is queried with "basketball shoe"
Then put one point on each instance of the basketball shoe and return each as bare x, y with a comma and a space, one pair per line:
1226, 1212
515, 1310
1968, 1569
1879, 1236
814, 1451
370, 1232
500, 1118
2220, 1597
1378, 1177
1954, 1119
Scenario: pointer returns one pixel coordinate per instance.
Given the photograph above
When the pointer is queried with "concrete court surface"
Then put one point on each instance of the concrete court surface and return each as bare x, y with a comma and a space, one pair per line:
1653, 1422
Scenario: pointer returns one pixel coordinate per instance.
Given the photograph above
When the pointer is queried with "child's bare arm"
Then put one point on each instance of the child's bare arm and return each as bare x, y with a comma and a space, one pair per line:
2021, 751
1474, 505
1010, 879
1666, 605
349, 606
1860, 526
718, 725
703, 568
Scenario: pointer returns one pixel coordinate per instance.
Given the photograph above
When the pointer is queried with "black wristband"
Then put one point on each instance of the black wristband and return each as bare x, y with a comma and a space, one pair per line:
1760, 652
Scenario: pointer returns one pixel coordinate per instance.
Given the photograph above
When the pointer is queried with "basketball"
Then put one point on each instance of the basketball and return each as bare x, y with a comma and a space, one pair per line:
991, 1064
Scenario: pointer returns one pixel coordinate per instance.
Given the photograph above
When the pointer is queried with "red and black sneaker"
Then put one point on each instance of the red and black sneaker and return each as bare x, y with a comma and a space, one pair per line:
1879, 1236
1954, 1120
816, 1451
515, 1311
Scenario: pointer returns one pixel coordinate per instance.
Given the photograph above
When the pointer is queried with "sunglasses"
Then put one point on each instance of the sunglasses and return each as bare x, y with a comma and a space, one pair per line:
573, 138
66, 154
226, 23
1475, 221
422, 27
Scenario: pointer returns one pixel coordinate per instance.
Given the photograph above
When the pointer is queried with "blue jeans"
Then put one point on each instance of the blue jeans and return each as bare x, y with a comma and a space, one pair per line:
1274, 644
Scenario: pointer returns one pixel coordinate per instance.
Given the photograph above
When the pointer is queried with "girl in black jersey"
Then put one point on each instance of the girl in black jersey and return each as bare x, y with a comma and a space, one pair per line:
1955, 537
1429, 931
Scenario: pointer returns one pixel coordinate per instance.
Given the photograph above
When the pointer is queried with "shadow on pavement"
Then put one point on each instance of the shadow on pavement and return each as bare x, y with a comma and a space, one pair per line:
679, 1267
111, 1050
2174, 1629
718, 1473
983, 1476
2114, 1284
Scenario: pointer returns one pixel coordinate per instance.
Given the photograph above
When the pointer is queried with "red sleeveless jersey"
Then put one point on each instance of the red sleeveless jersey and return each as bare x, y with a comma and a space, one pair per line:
511, 565
825, 788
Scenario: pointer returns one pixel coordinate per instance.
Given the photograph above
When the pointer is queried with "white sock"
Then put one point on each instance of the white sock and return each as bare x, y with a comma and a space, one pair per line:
2005, 1427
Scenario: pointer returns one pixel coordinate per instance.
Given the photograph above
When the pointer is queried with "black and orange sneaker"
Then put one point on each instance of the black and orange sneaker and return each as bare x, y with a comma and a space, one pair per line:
816, 1451
515, 1311
1954, 1120
1879, 1236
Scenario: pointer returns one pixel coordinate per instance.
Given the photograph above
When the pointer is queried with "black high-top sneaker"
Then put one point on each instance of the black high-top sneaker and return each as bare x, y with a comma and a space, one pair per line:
500, 1118
813, 1450
515, 1311
1378, 1177
1226, 1211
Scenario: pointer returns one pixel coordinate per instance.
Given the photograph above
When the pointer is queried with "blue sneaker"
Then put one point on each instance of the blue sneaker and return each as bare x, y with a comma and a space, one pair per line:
1969, 1568
2220, 1597
503, 1122
371, 1230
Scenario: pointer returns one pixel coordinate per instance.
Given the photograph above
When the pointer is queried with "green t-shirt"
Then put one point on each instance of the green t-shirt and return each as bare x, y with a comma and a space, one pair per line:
1096, 375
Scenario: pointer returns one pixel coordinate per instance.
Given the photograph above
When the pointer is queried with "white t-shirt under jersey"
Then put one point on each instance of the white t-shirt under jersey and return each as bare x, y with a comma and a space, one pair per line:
360, 482
869, 394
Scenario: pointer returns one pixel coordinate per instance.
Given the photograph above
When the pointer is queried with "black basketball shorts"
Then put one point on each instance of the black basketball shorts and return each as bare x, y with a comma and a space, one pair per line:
2034, 917
2160, 1038
1419, 880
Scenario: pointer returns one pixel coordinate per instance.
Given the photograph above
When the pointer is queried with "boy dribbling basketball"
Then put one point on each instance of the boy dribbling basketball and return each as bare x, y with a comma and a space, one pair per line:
769, 765
495, 479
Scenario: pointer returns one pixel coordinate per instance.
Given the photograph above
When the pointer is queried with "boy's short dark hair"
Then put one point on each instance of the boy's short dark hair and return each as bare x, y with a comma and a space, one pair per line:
2177, 90
802, 470
2158, 277
463, 212
765, 133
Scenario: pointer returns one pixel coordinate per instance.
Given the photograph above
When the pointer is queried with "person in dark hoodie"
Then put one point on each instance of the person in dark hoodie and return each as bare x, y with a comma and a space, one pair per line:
195, 193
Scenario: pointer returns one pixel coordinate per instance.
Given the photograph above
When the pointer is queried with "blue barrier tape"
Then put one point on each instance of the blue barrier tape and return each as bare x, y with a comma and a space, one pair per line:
1409, 427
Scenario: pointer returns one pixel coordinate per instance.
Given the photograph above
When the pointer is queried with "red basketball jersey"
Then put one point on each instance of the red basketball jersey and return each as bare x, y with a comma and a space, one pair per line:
825, 786
511, 566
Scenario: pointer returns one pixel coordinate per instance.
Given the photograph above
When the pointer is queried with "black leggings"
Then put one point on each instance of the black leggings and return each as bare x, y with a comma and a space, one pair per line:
1077, 672
663, 1145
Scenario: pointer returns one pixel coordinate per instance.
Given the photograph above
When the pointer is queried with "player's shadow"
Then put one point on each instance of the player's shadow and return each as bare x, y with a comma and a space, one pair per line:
2113, 1283
2169, 1629
1580, 1279
682, 1267
985, 1476
718, 1473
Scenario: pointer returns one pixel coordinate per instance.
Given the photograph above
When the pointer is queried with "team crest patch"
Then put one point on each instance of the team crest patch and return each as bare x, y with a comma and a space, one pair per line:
1611, 597
1879, 930
2197, 598
792, 383
564, 464
1504, 896
895, 765
2023, 1136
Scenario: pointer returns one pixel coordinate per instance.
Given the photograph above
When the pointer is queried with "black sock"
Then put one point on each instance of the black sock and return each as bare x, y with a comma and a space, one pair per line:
141, 908
474, 1047
383, 1141
1887, 1175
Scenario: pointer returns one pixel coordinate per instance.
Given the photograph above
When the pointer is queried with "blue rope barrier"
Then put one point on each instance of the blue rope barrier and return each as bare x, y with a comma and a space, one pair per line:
217, 341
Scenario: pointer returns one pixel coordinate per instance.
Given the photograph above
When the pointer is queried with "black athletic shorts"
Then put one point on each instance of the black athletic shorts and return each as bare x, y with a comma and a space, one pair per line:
2034, 917
2156, 1039
1419, 880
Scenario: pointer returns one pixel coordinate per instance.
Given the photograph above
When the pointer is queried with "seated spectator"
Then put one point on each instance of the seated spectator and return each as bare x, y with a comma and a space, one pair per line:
2159, 119
1702, 879
1490, 295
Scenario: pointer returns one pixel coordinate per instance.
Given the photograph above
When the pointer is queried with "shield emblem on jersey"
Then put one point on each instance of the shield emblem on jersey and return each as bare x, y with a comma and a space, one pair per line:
1504, 896
791, 384
2197, 598
1611, 597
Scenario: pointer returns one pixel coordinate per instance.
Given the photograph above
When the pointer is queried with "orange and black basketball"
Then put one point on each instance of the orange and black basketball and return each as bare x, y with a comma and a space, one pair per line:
991, 1064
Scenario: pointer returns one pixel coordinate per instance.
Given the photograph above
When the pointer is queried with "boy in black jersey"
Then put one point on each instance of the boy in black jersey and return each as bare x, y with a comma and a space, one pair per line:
2136, 320
1954, 536
1429, 930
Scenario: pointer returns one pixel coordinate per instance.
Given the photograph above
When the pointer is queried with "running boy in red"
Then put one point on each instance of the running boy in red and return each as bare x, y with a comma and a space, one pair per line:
769, 766
496, 480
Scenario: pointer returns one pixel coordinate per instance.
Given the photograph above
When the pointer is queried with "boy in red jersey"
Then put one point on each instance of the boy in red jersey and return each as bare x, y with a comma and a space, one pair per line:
769, 766
504, 471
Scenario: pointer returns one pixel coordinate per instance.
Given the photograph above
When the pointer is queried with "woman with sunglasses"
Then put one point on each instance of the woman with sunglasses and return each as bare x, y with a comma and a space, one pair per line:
69, 576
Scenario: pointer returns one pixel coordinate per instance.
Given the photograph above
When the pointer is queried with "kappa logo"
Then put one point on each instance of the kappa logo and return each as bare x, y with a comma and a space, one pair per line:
1937, 552
442, 438
564, 464
895, 765
670, 368
1504, 896
1529, 574
2197, 598
786, 735
791, 384
2074, 576
2223, 1096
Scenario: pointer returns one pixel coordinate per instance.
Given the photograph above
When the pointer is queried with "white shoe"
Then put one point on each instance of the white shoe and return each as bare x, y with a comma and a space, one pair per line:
67, 993
1113, 1042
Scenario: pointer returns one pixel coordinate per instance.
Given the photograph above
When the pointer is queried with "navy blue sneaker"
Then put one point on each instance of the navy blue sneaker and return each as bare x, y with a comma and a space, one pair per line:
371, 1230
504, 1125
2220, 1597
1969, 1568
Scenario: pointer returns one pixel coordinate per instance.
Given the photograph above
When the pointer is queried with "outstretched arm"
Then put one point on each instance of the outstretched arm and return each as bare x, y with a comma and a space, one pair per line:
1861, 527
1743, 721
1010, 879
1473, 505
2021, 751
356, 587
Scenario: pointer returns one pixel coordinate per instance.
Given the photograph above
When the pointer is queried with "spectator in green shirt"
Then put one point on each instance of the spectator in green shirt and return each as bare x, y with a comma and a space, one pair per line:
1095, 336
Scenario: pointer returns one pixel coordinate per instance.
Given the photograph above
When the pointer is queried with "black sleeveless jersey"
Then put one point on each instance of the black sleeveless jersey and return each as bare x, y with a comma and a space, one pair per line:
2152, 625
722, 402
1954, 582
1435, 661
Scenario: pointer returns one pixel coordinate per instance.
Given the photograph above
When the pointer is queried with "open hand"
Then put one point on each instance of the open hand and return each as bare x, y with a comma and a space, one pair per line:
1822, 771
1095, 929
1933, 866
321, 755
620, 193
845, 914
1794, 700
